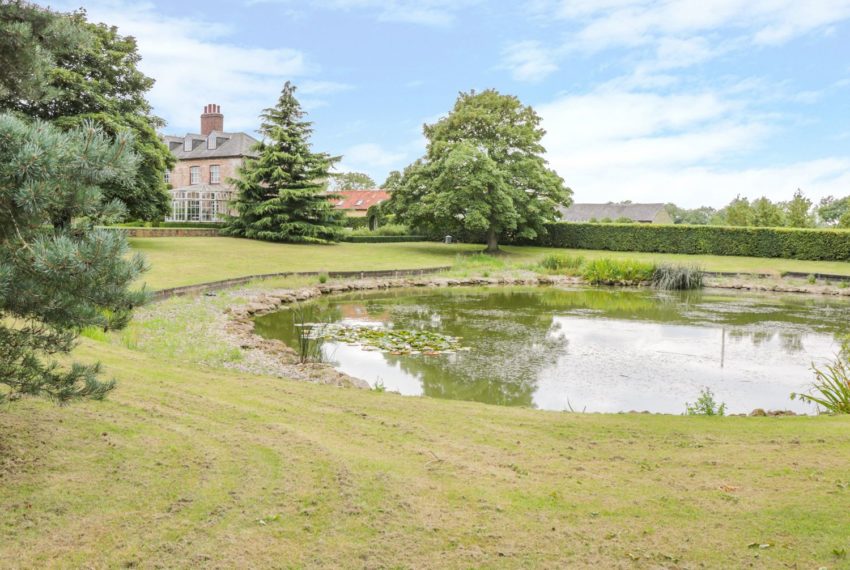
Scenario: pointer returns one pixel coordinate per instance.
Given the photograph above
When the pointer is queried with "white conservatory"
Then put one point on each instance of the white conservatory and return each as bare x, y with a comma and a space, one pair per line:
199, 203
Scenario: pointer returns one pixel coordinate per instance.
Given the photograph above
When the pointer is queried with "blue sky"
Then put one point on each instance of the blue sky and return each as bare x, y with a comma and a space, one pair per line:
691, 101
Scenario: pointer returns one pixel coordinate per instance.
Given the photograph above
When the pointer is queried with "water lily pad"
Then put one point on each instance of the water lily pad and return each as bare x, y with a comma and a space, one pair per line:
393, 341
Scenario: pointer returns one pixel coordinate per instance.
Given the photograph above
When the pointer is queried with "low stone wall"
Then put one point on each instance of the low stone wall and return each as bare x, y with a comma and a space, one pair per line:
227, 283
169, 232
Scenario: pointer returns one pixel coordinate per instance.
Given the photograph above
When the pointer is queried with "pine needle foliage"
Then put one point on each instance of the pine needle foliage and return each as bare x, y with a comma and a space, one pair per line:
58, 273
282, 193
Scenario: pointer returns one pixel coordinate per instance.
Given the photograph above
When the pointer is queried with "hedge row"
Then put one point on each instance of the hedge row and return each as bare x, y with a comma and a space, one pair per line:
356, 222
789, 243
383, 239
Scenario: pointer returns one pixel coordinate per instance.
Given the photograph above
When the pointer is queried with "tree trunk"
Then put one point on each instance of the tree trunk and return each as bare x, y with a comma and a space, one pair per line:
492, 241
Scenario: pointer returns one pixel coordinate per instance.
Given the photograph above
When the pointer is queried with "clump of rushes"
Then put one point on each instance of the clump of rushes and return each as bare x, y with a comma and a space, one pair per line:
323, 278
310, 337
568, 264
677, 277
607, 271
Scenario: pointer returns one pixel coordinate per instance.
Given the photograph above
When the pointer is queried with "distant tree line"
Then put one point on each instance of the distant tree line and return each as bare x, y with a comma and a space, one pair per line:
798, 212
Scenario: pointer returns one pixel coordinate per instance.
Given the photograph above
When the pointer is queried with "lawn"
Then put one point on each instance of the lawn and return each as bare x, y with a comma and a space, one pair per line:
185, 466
188, 464
186, 261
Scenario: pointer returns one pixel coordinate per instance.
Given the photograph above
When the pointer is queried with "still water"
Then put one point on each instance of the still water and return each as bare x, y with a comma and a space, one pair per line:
599, 350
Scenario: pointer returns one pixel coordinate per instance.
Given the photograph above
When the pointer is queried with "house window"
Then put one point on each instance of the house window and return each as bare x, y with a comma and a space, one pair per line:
167, 176
358, 203
195, 175
193, 207
214, 174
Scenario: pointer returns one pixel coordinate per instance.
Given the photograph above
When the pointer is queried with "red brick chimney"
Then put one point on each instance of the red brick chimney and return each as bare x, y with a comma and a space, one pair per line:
211, 119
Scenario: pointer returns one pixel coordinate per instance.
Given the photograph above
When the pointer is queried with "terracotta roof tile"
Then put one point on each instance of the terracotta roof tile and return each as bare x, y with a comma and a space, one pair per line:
359, 199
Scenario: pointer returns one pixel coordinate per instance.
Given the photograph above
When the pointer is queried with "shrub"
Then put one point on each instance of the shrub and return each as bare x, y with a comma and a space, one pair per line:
356, 222
387, 230
382, 239
811, 279
789, 243
606, 271
569, 264
831, 388
705, 405
323, 278
677, 277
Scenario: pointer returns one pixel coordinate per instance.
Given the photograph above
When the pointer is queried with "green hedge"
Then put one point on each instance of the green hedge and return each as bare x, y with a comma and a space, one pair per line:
383, 239
354, 223
789, 243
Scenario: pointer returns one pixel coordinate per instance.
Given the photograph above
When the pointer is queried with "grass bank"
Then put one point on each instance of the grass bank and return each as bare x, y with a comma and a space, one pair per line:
187, 466
186, 261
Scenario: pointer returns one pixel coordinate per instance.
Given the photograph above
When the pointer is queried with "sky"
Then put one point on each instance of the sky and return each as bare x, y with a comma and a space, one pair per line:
685, 101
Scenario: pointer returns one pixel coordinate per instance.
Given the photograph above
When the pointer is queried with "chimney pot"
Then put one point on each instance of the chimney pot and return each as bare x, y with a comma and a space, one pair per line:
212, 119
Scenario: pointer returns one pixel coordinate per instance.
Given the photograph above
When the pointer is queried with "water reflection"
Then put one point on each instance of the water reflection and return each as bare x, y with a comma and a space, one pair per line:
599, 349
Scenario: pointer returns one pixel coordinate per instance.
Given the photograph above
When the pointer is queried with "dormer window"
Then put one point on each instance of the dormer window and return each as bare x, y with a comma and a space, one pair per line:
212, 141
358, 203
187, 144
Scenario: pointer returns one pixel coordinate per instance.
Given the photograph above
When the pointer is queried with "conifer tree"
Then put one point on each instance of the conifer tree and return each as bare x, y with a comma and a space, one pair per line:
282, 190
58, 273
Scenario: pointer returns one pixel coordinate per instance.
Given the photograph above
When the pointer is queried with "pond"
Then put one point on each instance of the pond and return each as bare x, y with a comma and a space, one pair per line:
595, 350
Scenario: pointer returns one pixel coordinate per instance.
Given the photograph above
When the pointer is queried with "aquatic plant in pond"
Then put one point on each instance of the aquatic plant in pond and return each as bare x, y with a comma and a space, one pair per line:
391, 340
607, 271
567, 264
309, 335
677, 277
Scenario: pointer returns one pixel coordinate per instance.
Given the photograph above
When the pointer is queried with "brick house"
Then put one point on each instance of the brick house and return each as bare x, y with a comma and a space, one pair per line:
356, 203
199, 187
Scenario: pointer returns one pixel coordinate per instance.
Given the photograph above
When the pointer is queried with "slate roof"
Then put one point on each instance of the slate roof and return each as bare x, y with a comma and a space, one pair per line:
359, 199
227, 144
586, 212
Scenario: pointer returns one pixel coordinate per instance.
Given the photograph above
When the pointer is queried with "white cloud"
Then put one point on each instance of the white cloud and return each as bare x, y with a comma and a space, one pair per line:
675, 34
373, 159
529, 61
714, 186
197, 62
618, 144
423, 12
312, 87
609, 23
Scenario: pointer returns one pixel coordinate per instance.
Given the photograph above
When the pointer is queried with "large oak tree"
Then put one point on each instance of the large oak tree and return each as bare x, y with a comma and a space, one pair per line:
63, 69
483, 174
